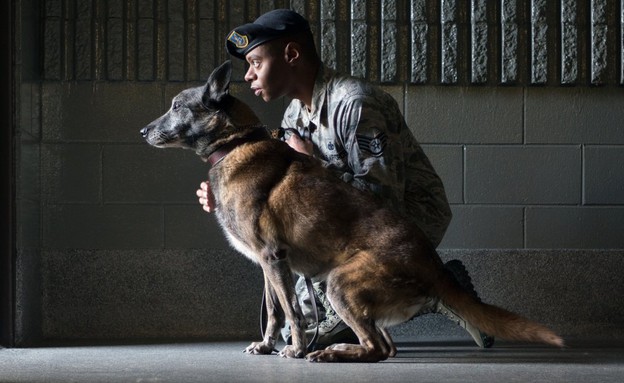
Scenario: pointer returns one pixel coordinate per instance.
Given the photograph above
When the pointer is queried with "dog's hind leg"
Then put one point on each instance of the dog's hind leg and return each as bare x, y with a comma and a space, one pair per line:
388, 339
355, 348
353, 291
373, 345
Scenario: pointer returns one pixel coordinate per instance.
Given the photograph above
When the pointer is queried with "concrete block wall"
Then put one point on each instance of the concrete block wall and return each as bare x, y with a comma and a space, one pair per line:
525, 167
523, 127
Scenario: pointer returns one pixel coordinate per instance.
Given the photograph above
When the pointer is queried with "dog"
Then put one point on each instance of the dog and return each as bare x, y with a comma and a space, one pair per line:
287, 213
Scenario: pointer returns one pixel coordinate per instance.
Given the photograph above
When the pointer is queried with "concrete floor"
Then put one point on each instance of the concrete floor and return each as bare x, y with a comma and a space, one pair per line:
225, 362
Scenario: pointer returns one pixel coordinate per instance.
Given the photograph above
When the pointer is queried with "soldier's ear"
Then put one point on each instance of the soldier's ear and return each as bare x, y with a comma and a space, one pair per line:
218, 83
292, 52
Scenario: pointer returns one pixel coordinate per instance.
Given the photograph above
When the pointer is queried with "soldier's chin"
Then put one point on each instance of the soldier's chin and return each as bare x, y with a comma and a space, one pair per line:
267, 97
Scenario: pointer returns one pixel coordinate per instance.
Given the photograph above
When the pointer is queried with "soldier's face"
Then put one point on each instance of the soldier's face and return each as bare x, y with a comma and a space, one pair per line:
267, 73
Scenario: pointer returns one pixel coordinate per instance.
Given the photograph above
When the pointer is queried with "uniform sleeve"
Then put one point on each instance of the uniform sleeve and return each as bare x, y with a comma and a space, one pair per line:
374, 150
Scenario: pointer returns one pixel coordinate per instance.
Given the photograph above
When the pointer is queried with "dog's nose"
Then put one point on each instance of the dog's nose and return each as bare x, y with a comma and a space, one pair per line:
144, 132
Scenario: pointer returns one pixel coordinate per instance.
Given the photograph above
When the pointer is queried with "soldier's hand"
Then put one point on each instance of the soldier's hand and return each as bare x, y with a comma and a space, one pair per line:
301, 145
206, 198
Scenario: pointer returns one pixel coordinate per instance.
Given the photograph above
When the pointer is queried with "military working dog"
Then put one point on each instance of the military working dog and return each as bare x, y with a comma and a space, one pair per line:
289, 214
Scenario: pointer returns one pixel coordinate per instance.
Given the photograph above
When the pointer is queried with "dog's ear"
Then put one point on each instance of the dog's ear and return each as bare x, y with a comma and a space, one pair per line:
218, 83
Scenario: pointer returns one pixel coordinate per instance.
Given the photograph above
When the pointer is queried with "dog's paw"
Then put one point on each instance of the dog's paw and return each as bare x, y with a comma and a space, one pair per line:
259, 348
322, 356
291, 352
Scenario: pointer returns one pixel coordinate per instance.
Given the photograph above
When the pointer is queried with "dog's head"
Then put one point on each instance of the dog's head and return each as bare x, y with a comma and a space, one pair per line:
202, 118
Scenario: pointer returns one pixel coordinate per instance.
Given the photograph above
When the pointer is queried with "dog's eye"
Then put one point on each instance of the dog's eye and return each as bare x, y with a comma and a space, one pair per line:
176, 106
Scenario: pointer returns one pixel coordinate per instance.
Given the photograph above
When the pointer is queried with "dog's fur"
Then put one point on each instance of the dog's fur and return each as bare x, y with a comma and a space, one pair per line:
286, 212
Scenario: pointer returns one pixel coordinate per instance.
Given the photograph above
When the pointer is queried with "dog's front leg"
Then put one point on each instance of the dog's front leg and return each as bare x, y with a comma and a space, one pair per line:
275, 321
281, 300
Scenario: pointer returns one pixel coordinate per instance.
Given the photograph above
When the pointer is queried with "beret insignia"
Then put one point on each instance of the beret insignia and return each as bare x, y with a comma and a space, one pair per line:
240, 41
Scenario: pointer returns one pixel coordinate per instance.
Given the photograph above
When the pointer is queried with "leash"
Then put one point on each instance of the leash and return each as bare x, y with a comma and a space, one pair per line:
312, 294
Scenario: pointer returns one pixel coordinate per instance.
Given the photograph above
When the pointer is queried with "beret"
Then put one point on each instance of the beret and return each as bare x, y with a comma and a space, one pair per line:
269, 26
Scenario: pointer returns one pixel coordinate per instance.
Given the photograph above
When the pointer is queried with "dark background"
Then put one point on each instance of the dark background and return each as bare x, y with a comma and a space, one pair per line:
517, 103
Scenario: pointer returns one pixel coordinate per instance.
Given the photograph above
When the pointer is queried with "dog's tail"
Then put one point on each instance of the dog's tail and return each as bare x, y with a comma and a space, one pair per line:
495, 321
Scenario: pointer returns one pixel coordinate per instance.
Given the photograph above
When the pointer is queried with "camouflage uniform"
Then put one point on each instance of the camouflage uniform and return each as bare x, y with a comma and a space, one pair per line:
359, 132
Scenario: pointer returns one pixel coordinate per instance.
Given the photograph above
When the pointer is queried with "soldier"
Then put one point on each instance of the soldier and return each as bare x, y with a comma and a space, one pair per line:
356, 130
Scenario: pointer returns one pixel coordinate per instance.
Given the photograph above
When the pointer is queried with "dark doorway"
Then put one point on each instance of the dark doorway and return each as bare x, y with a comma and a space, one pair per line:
7, 189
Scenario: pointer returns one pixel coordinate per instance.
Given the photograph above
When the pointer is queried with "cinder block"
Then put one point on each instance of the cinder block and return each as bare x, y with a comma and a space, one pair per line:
103, 112
145, 48
52, 49
71, 173
83, 54
207, 47
146, 9
125, 107
29, 228
114, 51
86, 226
604, 175
144, 174
53, 8
29, 176
176, 41
190, 227
206, 10
448, 162
579, 115
523, 175
485, 227
465, 115
52, 112
398, 93
115, 8
173, 88
28, 106
575, 227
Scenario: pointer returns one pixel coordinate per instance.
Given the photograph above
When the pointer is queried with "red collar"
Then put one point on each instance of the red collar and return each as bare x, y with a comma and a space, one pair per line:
256, 135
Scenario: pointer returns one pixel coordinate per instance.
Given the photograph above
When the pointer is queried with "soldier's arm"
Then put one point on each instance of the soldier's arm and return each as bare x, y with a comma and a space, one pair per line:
374, 151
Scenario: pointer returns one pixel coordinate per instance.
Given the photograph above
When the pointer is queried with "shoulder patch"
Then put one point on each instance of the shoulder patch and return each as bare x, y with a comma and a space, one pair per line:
373, 145
241, 41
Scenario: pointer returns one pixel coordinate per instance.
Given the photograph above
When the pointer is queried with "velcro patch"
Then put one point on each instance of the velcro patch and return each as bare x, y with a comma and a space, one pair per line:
240, 41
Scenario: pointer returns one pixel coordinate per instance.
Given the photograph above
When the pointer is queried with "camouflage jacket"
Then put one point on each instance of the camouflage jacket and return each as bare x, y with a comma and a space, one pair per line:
359, 132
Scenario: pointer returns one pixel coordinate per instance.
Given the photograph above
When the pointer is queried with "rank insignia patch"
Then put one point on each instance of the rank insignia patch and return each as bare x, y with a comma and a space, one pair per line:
375, 145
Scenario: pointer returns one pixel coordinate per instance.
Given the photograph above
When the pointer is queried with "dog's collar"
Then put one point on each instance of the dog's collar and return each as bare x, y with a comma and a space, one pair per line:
259, 133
